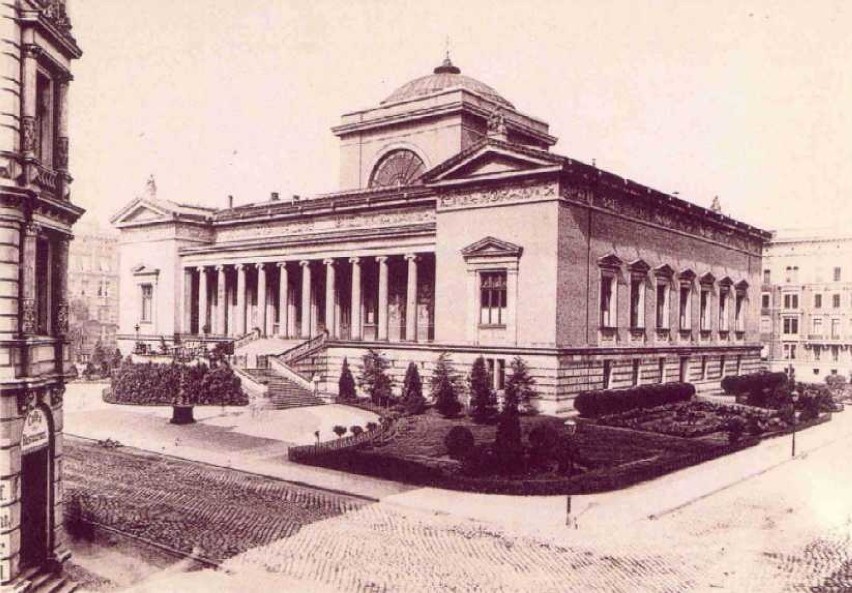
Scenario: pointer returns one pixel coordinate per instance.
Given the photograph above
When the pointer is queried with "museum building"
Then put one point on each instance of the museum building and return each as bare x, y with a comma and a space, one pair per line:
456, 229
36, 218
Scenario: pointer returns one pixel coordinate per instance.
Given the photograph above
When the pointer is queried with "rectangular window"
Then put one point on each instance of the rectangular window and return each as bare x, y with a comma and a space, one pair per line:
837, 274
765, 325
44, 120
765, 300
766, 277
637, 303
147, 298
608, 301
496, 372
817, 326
791, 326
43, 287
835, 301
739, 312
817, 352
835, 328
683, 309
792, 352
662, 305
492, 298
723, 310
817, 301
607, 374
791, 301
835, 353
705, 309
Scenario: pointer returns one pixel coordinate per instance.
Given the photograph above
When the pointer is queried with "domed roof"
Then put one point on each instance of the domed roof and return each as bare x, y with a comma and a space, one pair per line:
445, 77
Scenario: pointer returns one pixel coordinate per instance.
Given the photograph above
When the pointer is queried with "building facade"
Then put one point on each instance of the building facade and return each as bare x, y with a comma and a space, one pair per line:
92, 292
457, 229
36, 217
806, 303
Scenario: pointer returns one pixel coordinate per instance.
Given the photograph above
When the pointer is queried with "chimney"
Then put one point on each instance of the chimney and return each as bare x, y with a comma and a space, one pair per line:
274, 196
230, 202
295, 198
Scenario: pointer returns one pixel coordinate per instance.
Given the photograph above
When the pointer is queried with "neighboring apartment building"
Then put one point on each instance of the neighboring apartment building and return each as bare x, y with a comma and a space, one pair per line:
806, 302
458, 230
92, 291
36, 219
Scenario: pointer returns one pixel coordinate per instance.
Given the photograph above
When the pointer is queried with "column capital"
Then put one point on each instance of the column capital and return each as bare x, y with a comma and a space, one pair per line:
282, 264
260, 265
201, 268
305, 262
31, 50
412, 257
329, 261
355, 260
219, 267
239, 267
382, 259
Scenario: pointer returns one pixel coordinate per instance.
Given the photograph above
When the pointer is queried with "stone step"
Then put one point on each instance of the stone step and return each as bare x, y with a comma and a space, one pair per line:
282, 392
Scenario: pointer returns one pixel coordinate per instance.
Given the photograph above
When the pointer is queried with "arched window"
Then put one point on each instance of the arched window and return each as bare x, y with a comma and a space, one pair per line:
397, 168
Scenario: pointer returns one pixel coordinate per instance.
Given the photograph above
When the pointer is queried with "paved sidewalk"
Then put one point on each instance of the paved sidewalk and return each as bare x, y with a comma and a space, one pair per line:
232, 439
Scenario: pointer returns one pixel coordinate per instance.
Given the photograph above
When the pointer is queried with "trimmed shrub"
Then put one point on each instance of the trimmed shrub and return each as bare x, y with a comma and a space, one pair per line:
346, 383
371, 426
413, 401
507, 444
544, 442
735, 426
356, 430
744, 384
459, 442
339, 430
176, 385
483, 405
445, 387
591, 404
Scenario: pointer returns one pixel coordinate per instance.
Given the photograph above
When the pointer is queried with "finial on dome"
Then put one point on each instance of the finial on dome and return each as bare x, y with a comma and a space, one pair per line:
447, 66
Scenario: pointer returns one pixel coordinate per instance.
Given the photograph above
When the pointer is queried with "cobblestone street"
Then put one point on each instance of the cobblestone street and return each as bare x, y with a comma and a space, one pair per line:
785, 530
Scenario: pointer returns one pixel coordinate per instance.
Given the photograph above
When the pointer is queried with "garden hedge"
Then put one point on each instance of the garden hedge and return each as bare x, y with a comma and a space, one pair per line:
154, 384
742, 384
591, 404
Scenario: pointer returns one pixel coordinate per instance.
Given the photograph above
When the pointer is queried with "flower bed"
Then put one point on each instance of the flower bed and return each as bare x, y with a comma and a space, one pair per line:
693, 419
605, 458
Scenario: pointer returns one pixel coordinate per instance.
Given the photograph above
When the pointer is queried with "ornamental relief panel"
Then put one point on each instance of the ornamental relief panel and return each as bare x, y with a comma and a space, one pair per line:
639, 209
327, 224
504, 195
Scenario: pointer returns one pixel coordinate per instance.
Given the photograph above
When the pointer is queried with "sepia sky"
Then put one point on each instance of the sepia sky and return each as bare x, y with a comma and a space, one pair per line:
751, 101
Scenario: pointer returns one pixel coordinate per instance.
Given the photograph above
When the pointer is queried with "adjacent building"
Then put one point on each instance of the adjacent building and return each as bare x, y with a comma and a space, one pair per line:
456, 229
806, 302
92, 292
36, 217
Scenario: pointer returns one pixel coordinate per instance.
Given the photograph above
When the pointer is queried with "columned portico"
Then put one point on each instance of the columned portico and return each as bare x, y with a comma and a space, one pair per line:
283, 300
330, 298
241, 300
411, 299
261, 297
221, 302
202, 300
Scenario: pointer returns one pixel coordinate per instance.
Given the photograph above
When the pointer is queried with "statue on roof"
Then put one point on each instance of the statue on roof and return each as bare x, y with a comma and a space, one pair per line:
716, 206
497, 123
151, 188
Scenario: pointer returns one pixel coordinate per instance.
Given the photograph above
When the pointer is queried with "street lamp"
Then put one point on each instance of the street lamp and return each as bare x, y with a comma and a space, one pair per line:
794, 396
571, 428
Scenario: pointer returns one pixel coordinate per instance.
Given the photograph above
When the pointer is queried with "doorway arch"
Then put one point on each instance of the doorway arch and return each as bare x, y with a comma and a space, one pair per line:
37, 452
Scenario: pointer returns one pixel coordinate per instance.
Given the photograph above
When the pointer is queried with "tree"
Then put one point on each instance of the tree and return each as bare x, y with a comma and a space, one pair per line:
100, 360
339, 430
412, 391
482, 404
445, 387
346, 383
374, 379
519, 385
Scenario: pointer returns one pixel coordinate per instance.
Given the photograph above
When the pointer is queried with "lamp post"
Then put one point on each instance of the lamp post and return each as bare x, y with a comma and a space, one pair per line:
137, 346
794, 396
571, 428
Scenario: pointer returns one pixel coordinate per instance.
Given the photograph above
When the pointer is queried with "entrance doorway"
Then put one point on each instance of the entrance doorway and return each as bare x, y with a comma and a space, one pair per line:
35, 508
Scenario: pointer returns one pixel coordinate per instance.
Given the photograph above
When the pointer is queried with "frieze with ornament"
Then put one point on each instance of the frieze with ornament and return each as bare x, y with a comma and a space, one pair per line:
637, 208
330, 224
57, 394
503, 195
28, 133
62, 146
26, 400
28, 316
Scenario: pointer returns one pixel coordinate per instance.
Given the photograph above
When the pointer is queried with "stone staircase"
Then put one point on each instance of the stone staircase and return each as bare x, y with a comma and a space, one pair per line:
283, 393
41, 580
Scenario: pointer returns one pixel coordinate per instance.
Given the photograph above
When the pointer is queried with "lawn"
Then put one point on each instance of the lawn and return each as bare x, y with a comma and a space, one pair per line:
605, 457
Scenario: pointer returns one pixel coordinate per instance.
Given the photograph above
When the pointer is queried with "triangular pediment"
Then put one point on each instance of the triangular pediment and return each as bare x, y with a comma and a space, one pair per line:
687, 274
639, 266
144, 270
707, 279
141, 210
492, 159
492, 247
610, 260
726, 282
741, 285
664, 271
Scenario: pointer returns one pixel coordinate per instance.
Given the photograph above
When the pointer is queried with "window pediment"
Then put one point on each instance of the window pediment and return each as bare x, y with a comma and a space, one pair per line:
707, 279
610, 260
741, 285
686, 275
639, 266
491, 247
726, 282
664, 271
143, 270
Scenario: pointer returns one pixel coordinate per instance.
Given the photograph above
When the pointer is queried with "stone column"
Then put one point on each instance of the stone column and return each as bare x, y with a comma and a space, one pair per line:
202, 299
240, 324
28, 280
329, 297
221, 301
60, 273
283, 300
60, 161
261, 297
383, 298
29, 134
306, 298
187, 301
411, 299
355, 313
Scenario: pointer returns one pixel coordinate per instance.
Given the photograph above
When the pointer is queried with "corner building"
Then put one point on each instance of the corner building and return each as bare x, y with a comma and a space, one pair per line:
457, 230
36, 216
